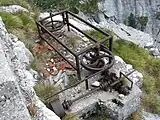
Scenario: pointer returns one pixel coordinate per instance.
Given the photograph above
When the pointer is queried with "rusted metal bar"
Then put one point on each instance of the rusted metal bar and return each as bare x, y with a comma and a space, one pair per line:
56, 39
88, 23
99, 43
47, 23
110, 43
63, 17
86, 94
38, 29
51, 20
126, 76
107, 37
67, 21
52, 15
82, 32
75, 84
78, 67
130, 72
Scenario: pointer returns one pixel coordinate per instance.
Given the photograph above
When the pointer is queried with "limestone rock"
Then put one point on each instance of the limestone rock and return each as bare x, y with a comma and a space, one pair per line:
155, 52
96, 84
121, 66
16, 83
150, 116
12, 8
121, 9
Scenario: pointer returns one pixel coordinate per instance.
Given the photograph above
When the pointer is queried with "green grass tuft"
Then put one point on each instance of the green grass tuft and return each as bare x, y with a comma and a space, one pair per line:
151, 103
44, 91
70, 116
22, 24
11, 21
131, 53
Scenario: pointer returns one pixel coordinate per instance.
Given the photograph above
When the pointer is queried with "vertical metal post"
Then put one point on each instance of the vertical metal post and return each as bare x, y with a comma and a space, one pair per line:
43, 31
39, 31
67, 21
110, 43
51, 20
63, 17
87, 86
78, 67
110, 47
79, 72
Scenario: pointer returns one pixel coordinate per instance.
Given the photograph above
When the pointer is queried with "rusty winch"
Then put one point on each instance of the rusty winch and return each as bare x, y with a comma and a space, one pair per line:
96, 58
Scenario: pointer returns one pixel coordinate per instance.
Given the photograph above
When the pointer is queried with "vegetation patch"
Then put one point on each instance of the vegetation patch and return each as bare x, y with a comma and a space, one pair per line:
44, 91
143, 20
89, 6
157, 15
11, 21
70, 116
22, 3
22, 23
132, 20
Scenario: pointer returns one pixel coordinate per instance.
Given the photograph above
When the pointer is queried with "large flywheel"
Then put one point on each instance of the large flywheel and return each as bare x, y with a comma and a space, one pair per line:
96, 59
54, 25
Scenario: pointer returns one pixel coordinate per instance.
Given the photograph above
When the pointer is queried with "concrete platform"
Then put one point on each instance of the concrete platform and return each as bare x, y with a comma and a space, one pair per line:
117, 112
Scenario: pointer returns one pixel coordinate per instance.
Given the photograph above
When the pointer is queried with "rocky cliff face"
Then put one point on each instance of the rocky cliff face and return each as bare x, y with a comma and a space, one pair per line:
121, 9
17, 97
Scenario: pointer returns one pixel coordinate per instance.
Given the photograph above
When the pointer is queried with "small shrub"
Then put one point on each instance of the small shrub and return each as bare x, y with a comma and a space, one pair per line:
33, 65
132, 20
44, 91
143, 20
157, 15
28, 21
89, 6
136, 115
72, 41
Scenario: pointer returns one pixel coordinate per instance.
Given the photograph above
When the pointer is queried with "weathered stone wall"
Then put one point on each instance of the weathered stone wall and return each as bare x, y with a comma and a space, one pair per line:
12, 105
16, 82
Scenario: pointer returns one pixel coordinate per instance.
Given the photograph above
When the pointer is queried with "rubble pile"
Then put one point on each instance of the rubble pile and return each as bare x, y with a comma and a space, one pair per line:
153, 48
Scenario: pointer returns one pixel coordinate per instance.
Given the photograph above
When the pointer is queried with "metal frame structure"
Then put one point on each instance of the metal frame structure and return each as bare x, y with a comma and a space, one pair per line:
42, 26
65, 21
